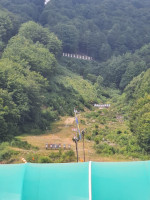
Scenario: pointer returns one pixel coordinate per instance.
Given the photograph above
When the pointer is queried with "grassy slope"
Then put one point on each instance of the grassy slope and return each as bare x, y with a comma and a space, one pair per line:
61, 133
81, 86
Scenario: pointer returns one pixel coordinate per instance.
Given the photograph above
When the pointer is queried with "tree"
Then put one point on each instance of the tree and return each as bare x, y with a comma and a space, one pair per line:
26, 9
133, 69
9, 116
26, 91
69, 36
9, 24
140, 122
122, 23
37, 33
30, 55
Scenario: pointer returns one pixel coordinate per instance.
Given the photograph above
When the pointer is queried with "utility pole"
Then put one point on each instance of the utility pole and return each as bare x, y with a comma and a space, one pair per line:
83, 132
75, 120
77, 123
75, 139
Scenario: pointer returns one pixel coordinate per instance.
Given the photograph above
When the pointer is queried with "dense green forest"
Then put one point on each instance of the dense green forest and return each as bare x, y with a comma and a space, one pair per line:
35, 89
99, 28
119, 71
38, 85
25, 9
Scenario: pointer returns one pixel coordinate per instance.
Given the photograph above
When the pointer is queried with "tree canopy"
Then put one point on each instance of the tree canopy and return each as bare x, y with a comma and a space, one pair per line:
102, 28
26, 9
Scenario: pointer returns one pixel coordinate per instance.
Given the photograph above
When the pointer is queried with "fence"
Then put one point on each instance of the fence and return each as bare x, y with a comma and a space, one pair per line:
77, 56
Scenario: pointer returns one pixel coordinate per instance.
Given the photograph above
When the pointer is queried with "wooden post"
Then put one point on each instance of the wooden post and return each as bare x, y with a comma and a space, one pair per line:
75, 139
83, 132
77, 148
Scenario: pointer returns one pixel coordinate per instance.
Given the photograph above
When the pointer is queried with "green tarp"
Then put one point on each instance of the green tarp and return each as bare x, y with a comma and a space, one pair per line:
76, 181
121, 181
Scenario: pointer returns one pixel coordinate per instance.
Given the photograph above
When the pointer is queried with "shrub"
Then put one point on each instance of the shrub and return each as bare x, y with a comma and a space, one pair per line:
54, 157
82, 121
68, 156
119, 132
96, 140
32, 158
6, 154
122, 140
95, 132
88, 137
4, 145
20, 144
105, 149
45, 159
96, 126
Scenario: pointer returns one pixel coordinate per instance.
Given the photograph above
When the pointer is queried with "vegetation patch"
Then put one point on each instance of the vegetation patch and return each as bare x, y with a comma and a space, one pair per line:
54, 157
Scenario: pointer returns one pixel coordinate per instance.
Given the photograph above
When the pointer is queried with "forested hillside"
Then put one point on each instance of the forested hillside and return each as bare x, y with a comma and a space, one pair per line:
35, 89
38, 85
9, 24
119, 71
137, 94
99, 28
25, 9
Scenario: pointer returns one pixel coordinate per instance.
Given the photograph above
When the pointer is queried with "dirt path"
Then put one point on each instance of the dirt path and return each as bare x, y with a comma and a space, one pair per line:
69, 121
